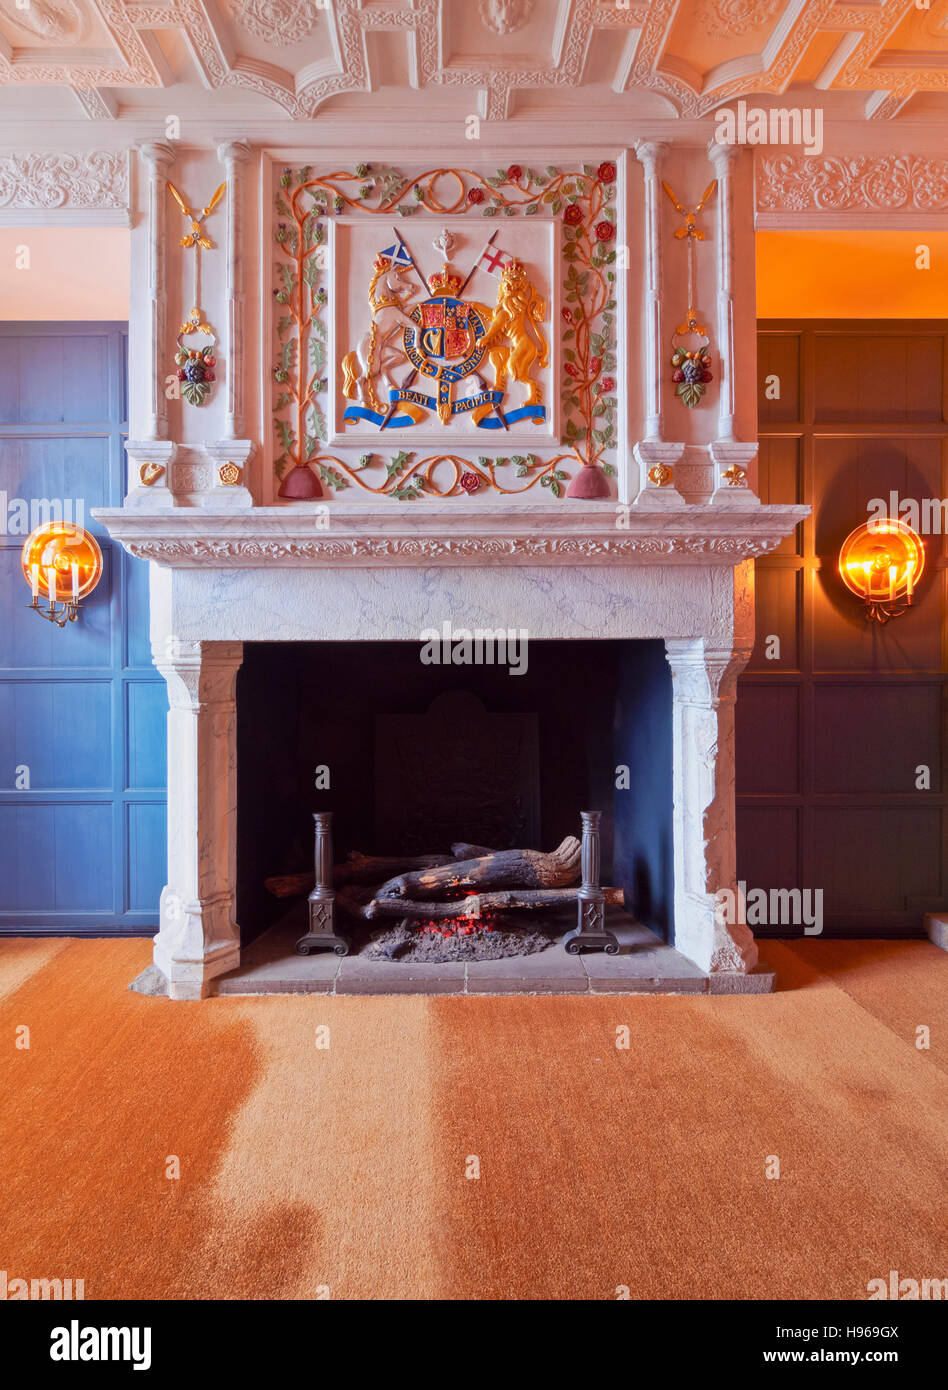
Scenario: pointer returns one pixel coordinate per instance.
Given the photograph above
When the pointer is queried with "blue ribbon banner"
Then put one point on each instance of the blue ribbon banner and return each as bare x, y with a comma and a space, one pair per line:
491, 422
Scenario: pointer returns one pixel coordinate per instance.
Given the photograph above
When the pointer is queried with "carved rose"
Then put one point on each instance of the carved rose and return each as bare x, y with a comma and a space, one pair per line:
573, 215
605, 231
470, 482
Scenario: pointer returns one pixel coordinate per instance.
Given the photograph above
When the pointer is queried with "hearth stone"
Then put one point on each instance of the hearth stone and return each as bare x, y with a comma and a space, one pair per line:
644, 965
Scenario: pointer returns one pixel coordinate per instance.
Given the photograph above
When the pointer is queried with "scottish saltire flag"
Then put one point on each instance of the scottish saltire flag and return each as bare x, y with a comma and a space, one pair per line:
494, 259
398, 254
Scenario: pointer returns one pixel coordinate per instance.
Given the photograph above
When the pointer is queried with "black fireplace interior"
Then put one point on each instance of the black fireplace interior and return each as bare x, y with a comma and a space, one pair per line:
418, 756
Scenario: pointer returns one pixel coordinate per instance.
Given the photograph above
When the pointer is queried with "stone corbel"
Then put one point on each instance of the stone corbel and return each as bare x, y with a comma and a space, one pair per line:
732, 463
228, 492
150, 464
704, 679
198, 938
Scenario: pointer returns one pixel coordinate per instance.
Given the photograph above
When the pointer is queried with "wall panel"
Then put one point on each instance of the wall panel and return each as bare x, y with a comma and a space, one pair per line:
82, 846
853, 708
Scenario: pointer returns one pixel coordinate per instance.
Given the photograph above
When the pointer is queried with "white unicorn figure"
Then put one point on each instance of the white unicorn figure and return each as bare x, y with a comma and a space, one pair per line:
381, 349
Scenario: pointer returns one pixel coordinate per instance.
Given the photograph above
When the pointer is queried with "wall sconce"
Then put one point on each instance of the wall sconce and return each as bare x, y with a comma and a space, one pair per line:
881, 562
63, 563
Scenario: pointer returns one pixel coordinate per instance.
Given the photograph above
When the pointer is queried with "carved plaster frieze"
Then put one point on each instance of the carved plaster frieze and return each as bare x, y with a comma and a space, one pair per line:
191, 550
856, 183
44, 182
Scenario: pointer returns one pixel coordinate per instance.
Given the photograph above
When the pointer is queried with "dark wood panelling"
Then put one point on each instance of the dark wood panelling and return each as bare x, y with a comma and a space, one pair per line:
855, 707
778, 355
766, 764
777, 593
869, 376
768, 845
874, 738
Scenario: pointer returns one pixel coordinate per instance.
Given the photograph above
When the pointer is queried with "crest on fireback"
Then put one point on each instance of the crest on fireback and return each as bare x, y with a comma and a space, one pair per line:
429, 346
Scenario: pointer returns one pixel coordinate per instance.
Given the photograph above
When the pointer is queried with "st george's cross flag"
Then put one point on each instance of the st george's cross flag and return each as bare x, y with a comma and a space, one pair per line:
494, 260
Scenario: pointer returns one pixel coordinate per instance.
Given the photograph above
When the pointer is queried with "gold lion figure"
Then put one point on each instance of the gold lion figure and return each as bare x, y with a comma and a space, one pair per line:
515, 340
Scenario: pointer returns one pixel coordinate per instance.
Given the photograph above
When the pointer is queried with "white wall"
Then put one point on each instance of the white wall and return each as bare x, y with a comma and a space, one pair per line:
60, 273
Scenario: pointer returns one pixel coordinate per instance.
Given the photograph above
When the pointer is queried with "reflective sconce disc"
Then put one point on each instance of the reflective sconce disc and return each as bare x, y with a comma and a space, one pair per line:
49, 555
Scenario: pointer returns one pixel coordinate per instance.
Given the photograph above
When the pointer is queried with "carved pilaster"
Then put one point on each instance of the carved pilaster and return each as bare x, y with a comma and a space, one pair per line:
157, 159
198, 937
704, 681
230, 455
723, 157
656, 458
234, 155
649, 154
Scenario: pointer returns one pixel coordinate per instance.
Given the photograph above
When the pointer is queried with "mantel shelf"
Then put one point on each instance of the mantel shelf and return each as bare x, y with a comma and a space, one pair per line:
421, 535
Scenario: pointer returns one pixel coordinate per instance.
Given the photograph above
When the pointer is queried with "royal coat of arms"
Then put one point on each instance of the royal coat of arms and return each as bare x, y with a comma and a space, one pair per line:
448, 341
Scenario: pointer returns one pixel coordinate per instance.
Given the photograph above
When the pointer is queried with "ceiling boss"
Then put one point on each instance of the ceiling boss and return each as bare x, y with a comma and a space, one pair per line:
449, 340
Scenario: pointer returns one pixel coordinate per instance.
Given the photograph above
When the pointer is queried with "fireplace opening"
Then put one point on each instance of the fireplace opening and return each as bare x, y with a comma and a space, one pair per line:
428, 760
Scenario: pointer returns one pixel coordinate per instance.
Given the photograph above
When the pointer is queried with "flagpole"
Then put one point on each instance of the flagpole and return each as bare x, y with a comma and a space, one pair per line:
489, 243
414, 264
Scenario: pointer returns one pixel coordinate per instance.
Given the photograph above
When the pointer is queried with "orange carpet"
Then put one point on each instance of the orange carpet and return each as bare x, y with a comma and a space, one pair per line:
343, 1171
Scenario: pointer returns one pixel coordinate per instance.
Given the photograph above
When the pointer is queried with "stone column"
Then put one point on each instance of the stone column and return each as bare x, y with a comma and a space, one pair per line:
198, 937
656, 458
704, 680
723, 158
731, 458
230, 455
150, 459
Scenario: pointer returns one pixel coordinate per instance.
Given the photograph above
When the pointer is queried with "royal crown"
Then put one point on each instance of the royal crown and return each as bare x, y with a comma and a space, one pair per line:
446, 281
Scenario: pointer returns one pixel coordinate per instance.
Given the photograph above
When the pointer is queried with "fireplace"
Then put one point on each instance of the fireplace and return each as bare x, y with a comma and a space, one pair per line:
414, 752
606, 610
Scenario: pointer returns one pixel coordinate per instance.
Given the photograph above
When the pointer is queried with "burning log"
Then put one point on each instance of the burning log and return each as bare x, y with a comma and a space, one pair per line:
508, 868
475, 904
462, 850
358, 868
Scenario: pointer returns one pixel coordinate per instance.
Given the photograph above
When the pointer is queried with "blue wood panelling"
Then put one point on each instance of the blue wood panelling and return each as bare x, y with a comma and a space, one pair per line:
82, 849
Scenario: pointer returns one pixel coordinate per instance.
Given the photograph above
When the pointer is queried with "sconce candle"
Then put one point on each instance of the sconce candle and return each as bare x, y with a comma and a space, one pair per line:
881, 562
64, 563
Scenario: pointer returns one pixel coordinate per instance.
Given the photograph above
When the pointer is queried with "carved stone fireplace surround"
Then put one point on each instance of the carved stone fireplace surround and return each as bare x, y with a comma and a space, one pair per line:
220, 580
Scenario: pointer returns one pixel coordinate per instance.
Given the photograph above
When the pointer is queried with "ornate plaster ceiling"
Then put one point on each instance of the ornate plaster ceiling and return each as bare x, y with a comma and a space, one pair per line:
296, 56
